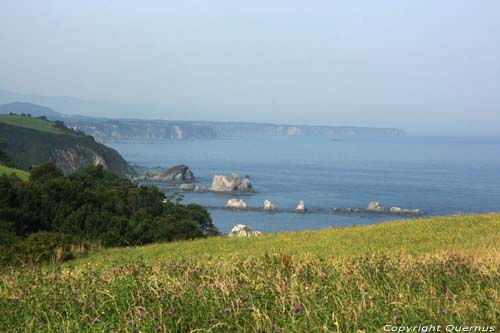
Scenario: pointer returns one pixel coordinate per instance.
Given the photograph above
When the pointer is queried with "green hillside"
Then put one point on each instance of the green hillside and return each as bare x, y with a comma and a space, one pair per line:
8, 171
33, 123
440, 271
26, 141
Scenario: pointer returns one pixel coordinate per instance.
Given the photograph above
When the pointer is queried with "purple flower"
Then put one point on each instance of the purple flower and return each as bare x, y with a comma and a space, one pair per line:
212, 320
95, 320
227, 310
159, 328
14, 298
242, 298
77, 300
250, 308
297, 308
140, 313
30, 286
130, 321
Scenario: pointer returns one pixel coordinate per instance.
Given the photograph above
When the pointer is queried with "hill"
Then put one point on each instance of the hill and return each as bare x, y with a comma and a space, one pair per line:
28, 108
439, 271
4, 170
36, 124
28, 141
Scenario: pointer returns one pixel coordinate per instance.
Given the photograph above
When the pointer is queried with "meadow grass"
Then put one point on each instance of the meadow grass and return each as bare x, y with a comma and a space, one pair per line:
8, 171
440, 271
32, 123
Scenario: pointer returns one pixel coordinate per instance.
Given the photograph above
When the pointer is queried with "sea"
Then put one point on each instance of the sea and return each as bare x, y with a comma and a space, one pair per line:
438, 175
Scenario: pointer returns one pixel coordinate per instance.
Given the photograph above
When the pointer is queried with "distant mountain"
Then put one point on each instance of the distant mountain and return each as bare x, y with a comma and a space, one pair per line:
27, 140
34, 110
66, 105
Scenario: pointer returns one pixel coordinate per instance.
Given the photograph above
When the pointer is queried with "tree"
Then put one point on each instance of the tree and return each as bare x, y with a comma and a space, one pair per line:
45, 171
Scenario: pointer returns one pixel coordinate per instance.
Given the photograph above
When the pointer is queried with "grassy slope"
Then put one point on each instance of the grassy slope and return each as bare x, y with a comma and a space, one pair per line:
32, 123
443, 270
8, 171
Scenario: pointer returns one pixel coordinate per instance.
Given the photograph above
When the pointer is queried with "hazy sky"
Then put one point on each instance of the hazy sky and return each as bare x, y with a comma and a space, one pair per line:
421, 65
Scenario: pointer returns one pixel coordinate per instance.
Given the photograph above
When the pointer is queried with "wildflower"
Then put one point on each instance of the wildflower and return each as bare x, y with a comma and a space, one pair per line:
159, 328
75, 291
250, 308
14, 298
130, 321
95, 320
30, 286
242, 298
297, 308
212, 320
77, 300
227, 310
140, 313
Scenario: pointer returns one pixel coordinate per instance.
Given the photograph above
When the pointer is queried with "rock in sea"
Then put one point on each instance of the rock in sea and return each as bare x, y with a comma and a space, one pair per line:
235, 203
375, 206
301, 208
186, 187
398, 210
178, 174
241, 230
231, 183
268, 205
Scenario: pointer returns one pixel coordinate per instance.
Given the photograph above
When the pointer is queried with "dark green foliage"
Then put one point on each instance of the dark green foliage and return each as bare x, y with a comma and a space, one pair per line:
45, 172
95, 205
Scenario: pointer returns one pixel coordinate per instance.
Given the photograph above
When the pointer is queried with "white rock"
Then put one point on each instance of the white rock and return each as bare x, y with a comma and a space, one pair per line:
241, 230
395, 210
235, 203
186, 187
398, 210
301, 207
268, 205
231, 183
375, 206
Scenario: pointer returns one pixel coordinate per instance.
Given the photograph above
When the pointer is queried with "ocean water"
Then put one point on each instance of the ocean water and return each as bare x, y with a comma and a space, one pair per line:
435, 174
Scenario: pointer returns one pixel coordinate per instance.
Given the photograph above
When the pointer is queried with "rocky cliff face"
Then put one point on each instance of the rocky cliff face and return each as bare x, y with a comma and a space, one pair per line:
129, 130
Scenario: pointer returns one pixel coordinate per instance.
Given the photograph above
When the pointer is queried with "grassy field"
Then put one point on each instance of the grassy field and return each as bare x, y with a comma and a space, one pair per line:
32, 123
8, 171
440, 271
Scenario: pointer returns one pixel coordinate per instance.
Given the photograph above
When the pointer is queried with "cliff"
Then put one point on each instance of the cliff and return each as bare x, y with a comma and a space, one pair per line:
27, 141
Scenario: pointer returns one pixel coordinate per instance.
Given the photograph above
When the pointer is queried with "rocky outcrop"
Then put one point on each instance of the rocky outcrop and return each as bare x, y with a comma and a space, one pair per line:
241, 230
187, 187
268, 205
231, 184
375, 207
70, 159
398, 210
301, 208
235, 203
177, 174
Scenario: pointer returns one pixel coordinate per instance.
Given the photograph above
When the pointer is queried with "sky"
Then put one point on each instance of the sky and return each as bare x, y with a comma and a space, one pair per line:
425, 66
